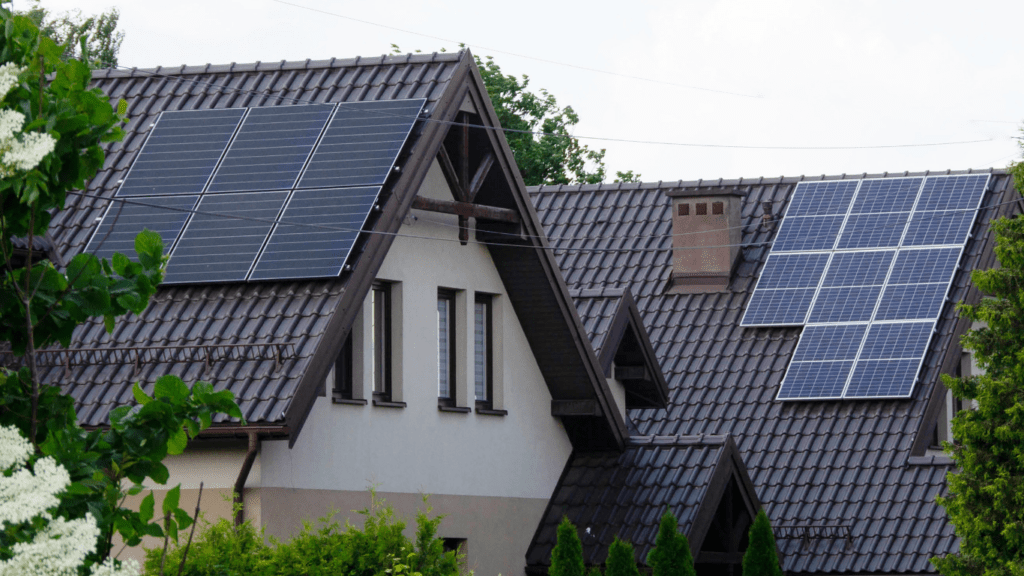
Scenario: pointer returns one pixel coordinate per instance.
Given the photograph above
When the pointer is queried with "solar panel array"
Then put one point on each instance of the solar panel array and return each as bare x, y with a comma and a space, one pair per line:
268, 193
864, 266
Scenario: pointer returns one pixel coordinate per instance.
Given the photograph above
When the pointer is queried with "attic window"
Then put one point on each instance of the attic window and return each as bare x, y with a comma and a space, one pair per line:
702, 209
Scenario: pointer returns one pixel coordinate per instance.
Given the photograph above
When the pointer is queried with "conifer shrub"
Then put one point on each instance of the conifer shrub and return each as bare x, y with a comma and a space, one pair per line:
567, 555
621, 561
671, 553
760, 558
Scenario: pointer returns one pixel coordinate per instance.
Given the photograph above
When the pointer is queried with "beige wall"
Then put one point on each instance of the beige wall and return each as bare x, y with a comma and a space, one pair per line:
508, 523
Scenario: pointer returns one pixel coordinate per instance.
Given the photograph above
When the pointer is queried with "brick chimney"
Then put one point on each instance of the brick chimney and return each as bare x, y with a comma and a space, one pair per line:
706, 235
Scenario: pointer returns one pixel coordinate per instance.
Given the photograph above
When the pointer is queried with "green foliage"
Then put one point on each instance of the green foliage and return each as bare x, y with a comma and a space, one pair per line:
567, 555
760, 558
627, 176
92, 39
621, 561
324, 548
985, 496
671, 553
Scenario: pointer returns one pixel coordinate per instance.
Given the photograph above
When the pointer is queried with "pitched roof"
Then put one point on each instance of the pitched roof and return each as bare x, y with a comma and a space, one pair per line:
273, 343
608, 494
813, 463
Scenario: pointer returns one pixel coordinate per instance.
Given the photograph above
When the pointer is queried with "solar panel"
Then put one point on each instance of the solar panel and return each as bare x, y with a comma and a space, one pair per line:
847, 304
883, 289
873, 230
886, 195
165, 215
815, 380
181, 152
793, 271
221, 242
361, 144
305, 251
271, 147
778, 307
808, 233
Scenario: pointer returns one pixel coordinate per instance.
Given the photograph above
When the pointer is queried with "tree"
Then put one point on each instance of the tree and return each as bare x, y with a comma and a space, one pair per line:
985, 492
93, 39
761, 559
621, 561
538, 131
51, 129
671, 553
567, 555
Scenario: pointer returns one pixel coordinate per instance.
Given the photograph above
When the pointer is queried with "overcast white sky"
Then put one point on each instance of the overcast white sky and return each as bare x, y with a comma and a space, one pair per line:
821, 73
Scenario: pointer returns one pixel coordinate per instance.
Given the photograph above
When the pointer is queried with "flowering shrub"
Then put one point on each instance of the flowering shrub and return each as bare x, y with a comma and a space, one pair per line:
43, 544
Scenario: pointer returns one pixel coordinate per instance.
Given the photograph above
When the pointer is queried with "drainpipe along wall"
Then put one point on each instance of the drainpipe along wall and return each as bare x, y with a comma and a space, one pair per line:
243, 475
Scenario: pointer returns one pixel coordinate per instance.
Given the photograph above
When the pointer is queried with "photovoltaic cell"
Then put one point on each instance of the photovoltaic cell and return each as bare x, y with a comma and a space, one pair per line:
303, 251
792, 271
361, 144
271, 147
858, 268
921, 266
845, 304
912, 302
829, 342
953, 192
820, 198
883, 378
886, 195
896, 341
778, 307
873, 230
165, 215
218, 245
181, 152
807, 233
938, 228
815, 380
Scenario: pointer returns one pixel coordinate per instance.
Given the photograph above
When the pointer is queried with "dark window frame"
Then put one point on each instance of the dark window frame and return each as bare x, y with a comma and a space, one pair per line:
344, 383
380, 304
488, 300
449, 401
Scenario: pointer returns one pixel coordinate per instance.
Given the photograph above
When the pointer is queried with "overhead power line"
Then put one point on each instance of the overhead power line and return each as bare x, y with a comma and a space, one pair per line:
571, 136
524, 56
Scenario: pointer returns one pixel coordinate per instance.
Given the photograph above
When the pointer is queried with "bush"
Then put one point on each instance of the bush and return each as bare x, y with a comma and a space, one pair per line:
671, 553
567, 555
760, 558
320, 549
621, 561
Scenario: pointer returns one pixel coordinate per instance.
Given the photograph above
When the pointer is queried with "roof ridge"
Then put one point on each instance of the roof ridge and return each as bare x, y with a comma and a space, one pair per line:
280, 65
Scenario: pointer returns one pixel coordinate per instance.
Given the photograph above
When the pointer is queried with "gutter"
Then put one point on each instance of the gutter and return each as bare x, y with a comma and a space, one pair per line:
243, 475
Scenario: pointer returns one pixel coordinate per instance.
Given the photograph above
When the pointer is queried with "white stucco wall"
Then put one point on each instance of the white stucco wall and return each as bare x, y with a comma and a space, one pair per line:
419, 448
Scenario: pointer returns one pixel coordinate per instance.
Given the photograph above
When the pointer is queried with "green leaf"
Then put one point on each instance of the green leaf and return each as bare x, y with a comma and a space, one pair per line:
146, 508
150, 244
171, 499
170, 387
122, 107
177, 442
108, 323
140, 396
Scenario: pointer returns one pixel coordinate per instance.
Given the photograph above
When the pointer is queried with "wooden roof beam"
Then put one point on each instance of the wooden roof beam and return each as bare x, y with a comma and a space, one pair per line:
466, 210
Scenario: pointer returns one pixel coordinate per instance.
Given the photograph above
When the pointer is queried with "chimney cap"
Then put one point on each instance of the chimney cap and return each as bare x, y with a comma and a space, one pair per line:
704, 191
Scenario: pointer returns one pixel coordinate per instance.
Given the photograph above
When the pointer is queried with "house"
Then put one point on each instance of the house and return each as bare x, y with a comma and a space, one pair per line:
848, 476
354, 255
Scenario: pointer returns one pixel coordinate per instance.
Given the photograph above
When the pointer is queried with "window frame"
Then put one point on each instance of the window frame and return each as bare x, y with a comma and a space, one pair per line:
344, 375
381, 341
448, 401
488, 301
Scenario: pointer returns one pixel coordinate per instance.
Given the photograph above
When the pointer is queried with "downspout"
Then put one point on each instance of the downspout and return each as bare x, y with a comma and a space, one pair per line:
243, 475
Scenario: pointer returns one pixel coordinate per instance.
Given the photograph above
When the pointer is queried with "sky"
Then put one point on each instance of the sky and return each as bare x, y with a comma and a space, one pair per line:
705, 89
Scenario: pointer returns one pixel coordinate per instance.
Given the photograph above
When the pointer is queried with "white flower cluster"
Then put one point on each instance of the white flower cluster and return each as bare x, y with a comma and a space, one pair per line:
18, 151
62, 545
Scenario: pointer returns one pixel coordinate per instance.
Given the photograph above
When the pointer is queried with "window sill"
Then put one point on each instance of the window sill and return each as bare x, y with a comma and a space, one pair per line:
460, 409
349, 401
491, 411
388, 404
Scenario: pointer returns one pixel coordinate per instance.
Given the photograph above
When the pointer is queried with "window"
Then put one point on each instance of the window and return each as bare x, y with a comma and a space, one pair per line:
483, 364
446, 346
380, 334
343, 385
